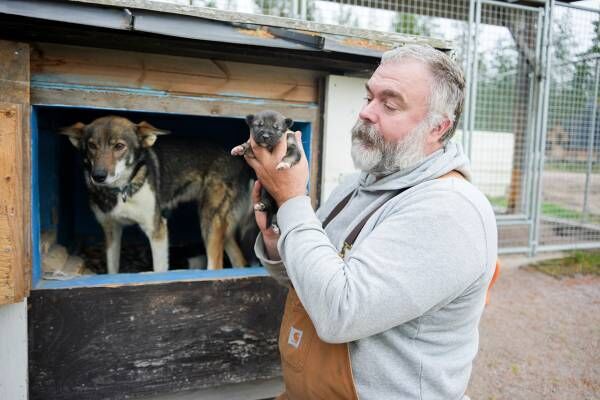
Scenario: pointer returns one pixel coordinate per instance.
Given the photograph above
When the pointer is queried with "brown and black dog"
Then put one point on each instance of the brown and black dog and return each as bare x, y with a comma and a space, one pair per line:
133, 178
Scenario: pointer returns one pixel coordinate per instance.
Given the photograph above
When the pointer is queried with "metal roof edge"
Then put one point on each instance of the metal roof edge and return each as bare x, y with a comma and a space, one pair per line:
272, 21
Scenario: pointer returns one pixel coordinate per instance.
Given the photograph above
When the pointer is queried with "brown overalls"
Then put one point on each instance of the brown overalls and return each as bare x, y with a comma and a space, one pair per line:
312, 368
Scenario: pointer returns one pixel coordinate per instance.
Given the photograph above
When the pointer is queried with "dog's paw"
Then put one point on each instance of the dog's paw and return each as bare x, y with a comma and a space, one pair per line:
275, 229
260, 206
237, 151
283, 165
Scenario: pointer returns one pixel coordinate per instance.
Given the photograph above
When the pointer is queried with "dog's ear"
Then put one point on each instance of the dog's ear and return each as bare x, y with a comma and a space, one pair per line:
249, 119
289, 122
148, 133
74, 132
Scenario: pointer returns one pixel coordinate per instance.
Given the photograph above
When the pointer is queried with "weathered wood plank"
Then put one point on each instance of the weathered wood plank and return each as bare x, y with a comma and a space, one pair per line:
82, 66
12, 257
168, 104
15, 170
124, 342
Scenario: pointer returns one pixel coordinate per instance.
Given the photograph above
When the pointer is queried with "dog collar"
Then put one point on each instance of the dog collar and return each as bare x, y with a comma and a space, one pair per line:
134, 184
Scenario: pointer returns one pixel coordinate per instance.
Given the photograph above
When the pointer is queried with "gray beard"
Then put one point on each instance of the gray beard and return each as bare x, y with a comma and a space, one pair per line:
372, 154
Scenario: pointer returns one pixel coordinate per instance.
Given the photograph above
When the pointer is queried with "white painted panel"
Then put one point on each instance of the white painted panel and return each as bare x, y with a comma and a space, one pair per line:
491, 161
344, 97
13, 351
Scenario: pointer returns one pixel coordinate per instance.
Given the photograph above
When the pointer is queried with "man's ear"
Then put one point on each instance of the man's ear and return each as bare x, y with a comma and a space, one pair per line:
147, 133
249, 119
439, 130
289, 122
74, 132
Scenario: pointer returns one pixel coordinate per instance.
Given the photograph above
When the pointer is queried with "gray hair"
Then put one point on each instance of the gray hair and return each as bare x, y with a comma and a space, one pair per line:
448, 85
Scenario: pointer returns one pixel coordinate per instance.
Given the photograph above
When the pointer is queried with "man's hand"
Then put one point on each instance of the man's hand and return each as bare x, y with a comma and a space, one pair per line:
282, 184
270, 237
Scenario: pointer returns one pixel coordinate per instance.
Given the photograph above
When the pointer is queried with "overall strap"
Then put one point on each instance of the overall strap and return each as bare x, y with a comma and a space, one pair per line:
337, 209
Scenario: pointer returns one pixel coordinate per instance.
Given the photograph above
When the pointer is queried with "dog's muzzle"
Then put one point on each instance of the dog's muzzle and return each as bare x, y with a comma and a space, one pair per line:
99, 176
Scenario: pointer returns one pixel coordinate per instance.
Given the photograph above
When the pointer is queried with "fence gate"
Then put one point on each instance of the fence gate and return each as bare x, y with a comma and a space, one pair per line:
569, 209
504, 101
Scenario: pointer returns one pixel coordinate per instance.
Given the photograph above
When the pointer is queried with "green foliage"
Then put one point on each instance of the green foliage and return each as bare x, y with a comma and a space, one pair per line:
412, 24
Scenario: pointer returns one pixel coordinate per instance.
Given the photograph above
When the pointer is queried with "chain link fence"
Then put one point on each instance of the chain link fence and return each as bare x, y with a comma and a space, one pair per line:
530, 123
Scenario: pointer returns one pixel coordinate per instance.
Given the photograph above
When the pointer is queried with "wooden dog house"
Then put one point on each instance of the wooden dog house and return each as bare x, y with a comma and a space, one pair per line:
190, 70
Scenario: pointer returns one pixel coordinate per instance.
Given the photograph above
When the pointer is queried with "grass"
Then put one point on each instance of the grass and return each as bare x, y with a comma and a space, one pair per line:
571, 166
551, 210
576, 263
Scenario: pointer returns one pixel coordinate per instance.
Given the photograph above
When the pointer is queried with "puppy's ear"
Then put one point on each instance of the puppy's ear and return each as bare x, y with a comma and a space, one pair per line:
249, 119
147, 133
74, 132
289, 122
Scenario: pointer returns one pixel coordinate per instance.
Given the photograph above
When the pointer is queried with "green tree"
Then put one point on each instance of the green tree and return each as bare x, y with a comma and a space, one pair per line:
412, 24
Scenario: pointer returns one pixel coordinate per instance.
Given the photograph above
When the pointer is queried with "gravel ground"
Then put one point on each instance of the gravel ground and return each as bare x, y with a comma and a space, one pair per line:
539, 339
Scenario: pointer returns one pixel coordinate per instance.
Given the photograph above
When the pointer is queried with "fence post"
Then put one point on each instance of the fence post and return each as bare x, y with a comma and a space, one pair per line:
540, 148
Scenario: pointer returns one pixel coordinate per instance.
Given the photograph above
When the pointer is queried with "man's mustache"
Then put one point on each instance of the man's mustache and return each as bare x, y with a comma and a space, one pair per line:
366, 133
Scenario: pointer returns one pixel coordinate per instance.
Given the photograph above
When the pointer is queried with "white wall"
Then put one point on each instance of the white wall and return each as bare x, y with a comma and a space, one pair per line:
491, 161
344, 97
13, 351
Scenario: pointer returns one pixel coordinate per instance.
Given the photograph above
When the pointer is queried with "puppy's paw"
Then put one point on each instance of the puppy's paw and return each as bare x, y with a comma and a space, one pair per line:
283, 165
237, 151
260, 206
275, 229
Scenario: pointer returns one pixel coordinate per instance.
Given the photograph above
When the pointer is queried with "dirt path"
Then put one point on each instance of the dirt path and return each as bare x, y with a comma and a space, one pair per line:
540, 339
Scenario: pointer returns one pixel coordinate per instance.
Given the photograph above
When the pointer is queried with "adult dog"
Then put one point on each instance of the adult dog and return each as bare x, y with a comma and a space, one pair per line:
133, 178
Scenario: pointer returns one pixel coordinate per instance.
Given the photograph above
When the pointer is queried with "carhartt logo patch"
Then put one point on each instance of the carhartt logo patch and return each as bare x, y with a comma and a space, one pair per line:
295, 337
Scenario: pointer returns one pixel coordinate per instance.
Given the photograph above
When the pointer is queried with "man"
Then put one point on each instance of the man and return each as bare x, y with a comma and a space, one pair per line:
403, 297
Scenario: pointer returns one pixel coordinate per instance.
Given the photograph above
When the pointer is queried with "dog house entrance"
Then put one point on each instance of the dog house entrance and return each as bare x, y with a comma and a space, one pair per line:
69, 238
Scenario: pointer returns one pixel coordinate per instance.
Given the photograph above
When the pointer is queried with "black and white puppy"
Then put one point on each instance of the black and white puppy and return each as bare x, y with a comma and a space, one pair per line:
268, 128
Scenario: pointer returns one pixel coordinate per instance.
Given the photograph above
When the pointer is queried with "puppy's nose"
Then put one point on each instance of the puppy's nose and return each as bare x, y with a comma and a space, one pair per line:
265, 136
99, 175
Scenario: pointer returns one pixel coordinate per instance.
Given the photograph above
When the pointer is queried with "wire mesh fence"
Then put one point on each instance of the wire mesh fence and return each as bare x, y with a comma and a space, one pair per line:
570, 203
534, 145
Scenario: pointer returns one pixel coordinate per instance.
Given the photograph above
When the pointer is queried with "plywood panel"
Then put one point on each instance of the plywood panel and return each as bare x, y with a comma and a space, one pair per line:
103, 68
339, 118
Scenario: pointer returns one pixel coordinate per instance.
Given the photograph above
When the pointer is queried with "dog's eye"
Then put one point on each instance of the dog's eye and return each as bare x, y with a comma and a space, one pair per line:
92, 146
119, 146
260, 123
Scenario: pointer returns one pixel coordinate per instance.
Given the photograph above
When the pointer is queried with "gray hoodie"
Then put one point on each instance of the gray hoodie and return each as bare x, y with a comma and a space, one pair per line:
409, 295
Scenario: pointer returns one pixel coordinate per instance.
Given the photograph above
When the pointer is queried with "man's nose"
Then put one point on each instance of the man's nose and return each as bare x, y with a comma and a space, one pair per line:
368, 113
99, 175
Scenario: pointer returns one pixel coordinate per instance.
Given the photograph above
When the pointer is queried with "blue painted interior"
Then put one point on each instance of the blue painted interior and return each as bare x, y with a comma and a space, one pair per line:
59, 198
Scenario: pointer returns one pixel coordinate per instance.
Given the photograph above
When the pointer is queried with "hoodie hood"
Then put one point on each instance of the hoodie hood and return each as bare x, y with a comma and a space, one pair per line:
451, 157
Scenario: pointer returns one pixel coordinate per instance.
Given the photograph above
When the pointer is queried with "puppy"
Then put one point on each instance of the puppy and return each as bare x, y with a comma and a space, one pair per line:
268, 128
133, 178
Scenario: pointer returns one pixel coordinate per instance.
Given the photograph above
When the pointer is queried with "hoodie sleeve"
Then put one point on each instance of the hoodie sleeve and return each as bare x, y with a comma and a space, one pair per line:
413, 258
275, 268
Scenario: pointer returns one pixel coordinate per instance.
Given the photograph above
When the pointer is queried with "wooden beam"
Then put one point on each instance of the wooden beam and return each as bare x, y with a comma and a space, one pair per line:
15, 171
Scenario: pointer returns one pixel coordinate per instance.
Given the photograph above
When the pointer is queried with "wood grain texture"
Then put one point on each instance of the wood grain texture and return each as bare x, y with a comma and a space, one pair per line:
15, 170
12, 257
103, 68
129, 341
